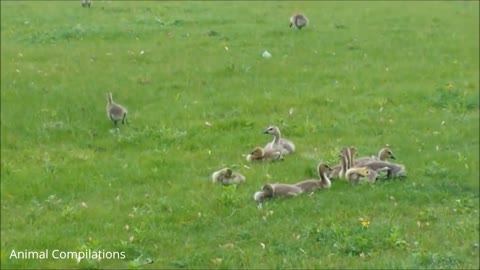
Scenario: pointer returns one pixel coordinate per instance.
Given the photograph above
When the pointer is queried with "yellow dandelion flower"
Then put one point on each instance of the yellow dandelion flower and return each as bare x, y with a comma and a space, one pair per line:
365, 224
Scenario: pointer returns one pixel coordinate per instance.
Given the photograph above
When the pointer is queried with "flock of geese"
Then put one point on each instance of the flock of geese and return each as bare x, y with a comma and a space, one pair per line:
349, 168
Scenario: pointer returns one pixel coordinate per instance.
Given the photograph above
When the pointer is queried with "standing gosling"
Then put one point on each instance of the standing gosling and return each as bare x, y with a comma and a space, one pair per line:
383, 155
283, 145
226, 176
260, 154
115, 112
86, 3
298, 20
323, 182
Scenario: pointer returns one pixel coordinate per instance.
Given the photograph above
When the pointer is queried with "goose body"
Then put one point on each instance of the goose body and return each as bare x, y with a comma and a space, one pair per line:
298, 20
261, 154
115, 112
279, 144
383, 155
226, 176
312, 185
281, 190
392, 169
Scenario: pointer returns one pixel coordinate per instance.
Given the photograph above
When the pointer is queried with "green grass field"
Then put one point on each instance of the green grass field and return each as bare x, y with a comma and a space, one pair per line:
199, 95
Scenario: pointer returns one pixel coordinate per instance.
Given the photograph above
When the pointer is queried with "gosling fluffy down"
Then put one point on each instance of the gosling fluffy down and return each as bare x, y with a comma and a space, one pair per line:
298, 20
115, 112
279, 144
226, 176
261, 154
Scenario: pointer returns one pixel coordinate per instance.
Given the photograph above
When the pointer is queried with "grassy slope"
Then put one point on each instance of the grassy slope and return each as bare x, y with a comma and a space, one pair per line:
362, 73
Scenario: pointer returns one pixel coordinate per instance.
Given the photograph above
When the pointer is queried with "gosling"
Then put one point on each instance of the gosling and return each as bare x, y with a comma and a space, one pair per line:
226, 176
383, 155
312, 185
353, 175
115, 112
283, 145
260, 154
86, 3
298, 20
393, 170
281, 190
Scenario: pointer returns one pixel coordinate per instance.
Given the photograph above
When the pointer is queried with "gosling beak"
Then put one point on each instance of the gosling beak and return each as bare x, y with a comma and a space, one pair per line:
393, 157
291, 25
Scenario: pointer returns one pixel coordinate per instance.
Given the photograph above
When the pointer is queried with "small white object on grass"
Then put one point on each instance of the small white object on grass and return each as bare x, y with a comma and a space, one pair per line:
266, 54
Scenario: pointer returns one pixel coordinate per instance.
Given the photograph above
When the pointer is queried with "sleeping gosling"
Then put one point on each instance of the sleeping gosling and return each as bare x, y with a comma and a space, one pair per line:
115, 112
283, 145
312, 185
226, 176
298, 20
260, 154
86, 3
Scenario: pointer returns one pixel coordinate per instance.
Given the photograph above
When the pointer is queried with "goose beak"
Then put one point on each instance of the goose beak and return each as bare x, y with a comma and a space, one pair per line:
265, 132
393, 157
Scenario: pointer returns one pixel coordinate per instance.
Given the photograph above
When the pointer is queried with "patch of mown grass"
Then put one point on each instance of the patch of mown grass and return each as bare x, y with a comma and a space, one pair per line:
199, 96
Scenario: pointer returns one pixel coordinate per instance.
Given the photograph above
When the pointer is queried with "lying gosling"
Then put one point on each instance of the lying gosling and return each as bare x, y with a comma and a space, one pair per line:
86, 3
323, 182
298, 20
393, 170
115, 112
383, 155
270, 191
281, 190
260, 154
283, 145
226, 176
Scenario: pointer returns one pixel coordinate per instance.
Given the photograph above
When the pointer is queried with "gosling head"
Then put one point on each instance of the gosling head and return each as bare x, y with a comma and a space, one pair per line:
324, 168
386, 153
274, 130
364, 171
268, 190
